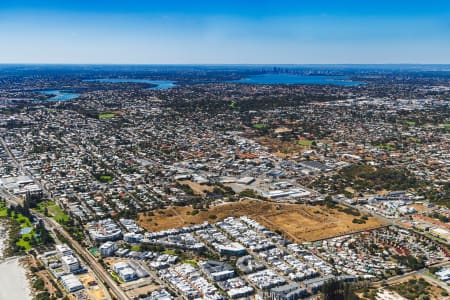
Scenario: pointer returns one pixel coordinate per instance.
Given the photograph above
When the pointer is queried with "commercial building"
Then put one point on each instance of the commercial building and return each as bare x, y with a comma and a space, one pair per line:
63, 250
444, 274
287, 292
124, 271
217, 270
70, 263
132, 237
441, 232
107, 249
240, 292
159, 295
104, 230
233, 249
246, 180
71, 283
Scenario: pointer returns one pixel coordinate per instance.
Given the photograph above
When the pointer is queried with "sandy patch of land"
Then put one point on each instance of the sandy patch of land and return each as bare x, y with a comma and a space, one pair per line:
388, 295
298, 222
142, 290
13, 281
199, 189
282, 148
92, 289
433, 290
419, 207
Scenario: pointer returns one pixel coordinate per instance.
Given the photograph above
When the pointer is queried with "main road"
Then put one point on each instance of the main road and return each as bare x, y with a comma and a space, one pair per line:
98, 269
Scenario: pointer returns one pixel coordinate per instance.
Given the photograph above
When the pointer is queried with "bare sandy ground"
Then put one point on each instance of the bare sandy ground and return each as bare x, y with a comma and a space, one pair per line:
299, 222
13, 281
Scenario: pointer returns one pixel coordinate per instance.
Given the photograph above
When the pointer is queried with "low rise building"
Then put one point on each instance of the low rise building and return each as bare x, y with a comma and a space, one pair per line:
63, 250
217, 270
71, 283
70, 263
288, 292
107, 249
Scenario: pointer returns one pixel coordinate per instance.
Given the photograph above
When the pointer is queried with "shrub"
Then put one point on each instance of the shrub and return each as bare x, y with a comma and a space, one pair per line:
39, 284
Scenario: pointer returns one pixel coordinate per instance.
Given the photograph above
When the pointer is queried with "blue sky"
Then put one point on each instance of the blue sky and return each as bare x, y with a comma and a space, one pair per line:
224, 32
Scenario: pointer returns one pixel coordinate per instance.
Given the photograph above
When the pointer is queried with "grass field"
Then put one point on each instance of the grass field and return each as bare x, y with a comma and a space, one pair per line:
305, 143
259, 126
135, 248
105, 178
191, 262
24, 240
413, 140
3, 210
170, 252
54, 210
105, 116
116, 277
389, 147
298, 222
24, 222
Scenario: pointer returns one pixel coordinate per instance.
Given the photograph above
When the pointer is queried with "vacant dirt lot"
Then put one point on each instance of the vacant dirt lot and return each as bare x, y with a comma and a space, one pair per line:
199, 189
282, 148
298, 222
434, 291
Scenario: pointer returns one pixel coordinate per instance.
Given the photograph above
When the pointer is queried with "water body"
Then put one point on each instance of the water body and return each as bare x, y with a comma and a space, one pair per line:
298, 79
60, 95
160, 84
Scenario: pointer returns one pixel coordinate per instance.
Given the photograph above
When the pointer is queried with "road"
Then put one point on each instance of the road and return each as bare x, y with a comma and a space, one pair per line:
54, 226
5, 194
24, 170
154, 274
90, 260
421, 273
98, 270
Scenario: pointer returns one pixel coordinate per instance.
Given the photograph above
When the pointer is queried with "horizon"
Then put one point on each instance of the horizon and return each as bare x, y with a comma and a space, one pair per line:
223, 64
224, 32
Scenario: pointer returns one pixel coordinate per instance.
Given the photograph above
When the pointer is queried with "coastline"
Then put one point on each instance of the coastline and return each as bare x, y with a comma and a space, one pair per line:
4, 236
14, 283
14, 279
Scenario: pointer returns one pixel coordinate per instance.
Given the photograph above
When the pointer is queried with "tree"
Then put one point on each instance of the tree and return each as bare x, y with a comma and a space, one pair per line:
45, 236
337, 290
